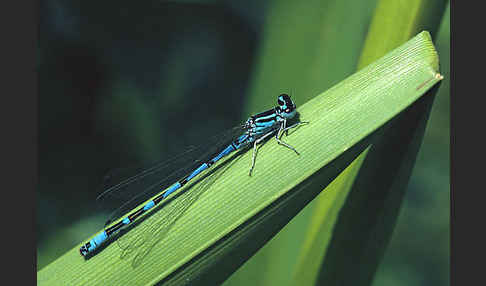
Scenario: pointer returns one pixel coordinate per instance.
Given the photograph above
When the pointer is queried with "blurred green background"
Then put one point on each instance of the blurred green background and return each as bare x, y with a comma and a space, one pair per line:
124, 81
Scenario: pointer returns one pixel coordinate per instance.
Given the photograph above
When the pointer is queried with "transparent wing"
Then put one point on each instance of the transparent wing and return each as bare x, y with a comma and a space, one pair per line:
125, 189
159, 224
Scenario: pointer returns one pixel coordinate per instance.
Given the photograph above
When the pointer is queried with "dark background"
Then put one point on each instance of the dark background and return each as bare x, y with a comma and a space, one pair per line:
126, 81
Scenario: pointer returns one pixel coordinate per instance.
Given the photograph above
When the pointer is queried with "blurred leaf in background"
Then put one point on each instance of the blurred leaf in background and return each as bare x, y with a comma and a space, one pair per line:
418, 253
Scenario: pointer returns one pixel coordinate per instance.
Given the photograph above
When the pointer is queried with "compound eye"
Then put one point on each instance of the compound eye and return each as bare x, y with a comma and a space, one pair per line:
280, 102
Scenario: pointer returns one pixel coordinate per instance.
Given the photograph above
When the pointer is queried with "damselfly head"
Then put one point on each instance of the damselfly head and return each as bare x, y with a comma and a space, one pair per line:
286, 106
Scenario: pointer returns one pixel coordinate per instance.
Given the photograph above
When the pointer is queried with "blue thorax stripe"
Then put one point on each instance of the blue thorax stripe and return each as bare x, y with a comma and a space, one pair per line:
268, 115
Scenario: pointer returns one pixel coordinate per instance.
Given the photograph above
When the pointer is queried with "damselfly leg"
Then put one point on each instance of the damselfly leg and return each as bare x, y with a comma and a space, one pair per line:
278, 135
255, 150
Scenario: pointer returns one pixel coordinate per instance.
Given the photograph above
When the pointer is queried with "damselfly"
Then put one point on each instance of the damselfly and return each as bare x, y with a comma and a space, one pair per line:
254, 131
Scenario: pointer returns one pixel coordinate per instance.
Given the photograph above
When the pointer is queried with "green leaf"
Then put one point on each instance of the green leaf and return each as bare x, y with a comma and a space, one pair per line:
225, 222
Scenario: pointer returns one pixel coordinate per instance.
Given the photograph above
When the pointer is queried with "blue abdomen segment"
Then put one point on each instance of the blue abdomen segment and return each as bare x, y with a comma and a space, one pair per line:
173, 188
223, 153
197, 171
97, 240
149, 205
201, 168
93, 244
242, 141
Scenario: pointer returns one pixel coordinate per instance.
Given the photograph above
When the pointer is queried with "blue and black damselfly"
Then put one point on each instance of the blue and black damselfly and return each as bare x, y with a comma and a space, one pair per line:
255, 130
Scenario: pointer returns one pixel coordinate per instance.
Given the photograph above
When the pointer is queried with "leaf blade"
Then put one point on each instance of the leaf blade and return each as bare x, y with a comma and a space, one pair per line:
340, 118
